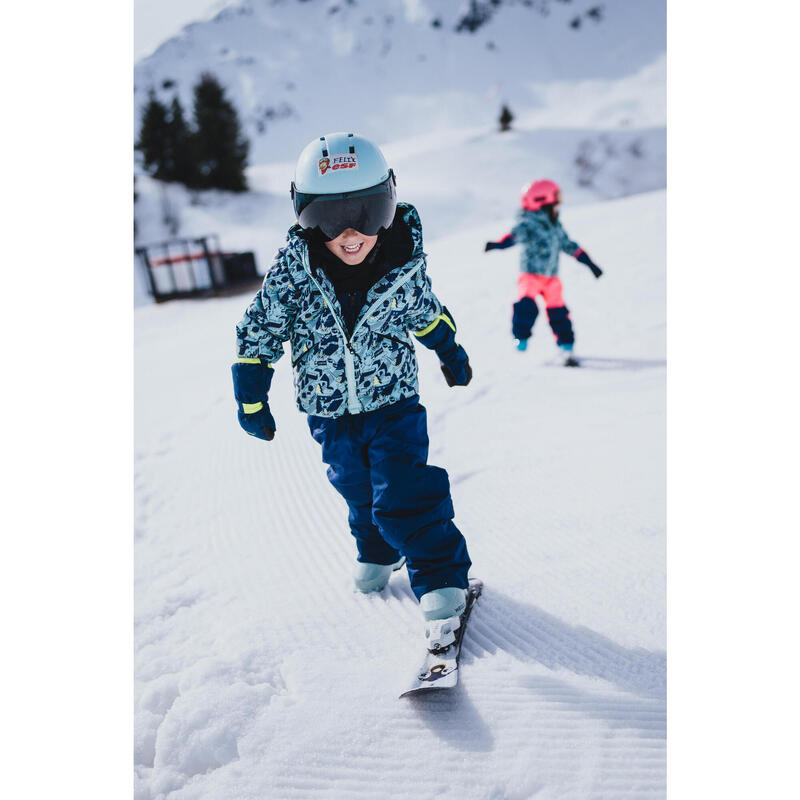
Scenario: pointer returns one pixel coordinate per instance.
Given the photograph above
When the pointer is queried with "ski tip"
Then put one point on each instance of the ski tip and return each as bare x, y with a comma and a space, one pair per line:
420, 690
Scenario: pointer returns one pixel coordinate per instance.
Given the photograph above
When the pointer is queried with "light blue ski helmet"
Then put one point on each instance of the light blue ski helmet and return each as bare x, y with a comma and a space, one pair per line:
342, 181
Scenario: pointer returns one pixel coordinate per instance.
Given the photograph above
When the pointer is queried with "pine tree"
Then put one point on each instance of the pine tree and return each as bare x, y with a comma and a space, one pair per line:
153, 139
506, 118
220, 148
180, 161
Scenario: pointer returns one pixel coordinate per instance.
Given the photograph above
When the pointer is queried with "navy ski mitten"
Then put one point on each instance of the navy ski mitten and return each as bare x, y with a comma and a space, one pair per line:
507, 241
583, 257
441, 337
460, 374
251, 382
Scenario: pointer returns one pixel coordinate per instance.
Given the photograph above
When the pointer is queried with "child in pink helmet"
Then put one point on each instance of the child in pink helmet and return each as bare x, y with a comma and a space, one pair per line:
539, 230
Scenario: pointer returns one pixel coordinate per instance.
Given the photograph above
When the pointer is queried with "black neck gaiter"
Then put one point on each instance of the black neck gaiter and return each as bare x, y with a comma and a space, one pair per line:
351, 283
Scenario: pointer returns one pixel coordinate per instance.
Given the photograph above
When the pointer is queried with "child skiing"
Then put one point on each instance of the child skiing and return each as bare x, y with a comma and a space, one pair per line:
538, 229
346, 290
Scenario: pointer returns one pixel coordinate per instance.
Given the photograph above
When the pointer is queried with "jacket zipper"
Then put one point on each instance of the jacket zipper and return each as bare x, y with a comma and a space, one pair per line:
353, 403
403, 279
301, 357
394, 339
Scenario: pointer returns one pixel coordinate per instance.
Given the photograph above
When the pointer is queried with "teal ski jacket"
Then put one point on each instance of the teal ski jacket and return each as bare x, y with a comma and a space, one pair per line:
335, 371
542, 241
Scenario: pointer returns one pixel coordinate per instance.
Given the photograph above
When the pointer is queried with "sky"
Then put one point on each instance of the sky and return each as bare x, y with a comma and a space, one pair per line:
154, 21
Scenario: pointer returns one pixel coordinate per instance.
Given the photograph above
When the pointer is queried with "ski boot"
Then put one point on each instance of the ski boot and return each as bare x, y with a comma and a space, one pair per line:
570, 359
446, 612
442, 610
521, 344
373, 577
443, 603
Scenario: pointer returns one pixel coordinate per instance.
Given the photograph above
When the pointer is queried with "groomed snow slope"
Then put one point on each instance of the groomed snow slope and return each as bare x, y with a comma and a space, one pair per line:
260, 674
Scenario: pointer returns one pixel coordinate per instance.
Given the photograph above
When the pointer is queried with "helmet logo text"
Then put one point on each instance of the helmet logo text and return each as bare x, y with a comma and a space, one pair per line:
337, 162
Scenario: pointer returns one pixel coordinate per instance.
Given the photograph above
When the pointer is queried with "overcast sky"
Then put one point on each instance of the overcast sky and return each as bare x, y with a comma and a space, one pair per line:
157, 20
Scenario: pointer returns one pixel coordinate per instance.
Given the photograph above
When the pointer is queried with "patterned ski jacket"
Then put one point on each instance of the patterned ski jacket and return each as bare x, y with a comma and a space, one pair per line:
336, 373
542, 241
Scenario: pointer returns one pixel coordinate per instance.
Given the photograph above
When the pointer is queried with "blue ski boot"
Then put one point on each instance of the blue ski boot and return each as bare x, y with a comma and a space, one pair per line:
442, 609
443, 603
570, 359
373, 577
521, 345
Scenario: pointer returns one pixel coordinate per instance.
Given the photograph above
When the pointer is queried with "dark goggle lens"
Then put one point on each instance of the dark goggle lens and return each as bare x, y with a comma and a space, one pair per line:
366, 210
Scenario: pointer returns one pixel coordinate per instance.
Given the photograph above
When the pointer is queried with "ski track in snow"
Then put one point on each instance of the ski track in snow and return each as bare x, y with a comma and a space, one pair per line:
260, 674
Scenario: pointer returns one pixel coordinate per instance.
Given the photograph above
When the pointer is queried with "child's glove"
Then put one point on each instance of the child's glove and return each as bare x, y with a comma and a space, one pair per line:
251, 382
583, 257
457, 372
507, 241
260, 424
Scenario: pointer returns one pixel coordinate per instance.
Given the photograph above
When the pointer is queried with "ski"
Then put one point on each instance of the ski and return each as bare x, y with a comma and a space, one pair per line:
439, 670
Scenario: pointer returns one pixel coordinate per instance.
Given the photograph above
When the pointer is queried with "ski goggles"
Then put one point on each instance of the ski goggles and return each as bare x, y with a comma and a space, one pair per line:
367, 211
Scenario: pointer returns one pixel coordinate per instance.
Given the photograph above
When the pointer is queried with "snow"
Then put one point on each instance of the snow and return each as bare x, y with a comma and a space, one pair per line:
594, 121
458, 178
288, 63
259, 673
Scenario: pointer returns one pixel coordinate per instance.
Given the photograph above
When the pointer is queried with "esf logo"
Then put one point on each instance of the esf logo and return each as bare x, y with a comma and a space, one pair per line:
335, 162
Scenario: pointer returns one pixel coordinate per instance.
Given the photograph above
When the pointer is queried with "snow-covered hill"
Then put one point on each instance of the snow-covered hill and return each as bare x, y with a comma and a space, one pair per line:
398, 68
457, 178
589, 104
260, 674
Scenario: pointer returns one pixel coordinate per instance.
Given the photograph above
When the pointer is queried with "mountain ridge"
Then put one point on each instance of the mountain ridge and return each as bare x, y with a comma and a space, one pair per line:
291, 66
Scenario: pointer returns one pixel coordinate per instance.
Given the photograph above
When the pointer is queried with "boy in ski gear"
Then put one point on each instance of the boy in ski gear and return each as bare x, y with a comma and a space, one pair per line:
543, 237
348, 290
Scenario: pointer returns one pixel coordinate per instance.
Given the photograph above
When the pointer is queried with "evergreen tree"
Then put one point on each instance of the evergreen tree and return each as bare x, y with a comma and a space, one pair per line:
180, 163
220, 148
506, 118
153, 139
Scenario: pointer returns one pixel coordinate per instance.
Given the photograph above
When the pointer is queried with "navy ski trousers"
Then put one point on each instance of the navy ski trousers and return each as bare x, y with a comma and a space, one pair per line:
399, 504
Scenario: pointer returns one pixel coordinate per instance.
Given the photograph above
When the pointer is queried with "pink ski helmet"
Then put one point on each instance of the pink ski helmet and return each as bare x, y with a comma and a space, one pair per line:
540, 193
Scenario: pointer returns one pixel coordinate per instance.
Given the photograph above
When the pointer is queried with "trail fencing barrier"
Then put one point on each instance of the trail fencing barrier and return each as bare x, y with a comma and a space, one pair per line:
196, 267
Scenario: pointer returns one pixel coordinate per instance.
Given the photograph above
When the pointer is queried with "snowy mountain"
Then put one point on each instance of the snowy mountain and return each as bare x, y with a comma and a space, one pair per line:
426, 79
398, 68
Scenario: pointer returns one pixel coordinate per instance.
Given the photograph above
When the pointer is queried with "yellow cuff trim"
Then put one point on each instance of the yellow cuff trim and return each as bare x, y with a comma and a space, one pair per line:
426, 331
251, 408
252, 361
449, 322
